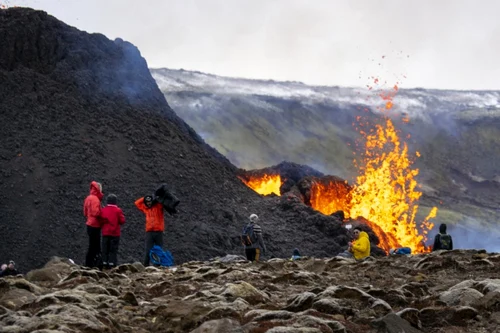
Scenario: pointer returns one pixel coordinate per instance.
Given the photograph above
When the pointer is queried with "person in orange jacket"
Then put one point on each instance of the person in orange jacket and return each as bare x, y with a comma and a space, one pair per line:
155, 223
92, 211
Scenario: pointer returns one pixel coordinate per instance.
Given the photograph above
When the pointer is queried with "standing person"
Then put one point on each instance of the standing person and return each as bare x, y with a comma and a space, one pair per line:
442, 241
252, 239
155, 223
112, 218
92, 211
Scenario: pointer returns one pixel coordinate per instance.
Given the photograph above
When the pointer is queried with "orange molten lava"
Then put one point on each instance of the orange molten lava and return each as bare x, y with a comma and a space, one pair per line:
329, 196
265, 184
385, 195
385, 192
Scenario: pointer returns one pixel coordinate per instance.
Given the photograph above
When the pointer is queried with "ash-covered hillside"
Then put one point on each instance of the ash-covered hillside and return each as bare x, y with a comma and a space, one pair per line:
77, 107
257, 123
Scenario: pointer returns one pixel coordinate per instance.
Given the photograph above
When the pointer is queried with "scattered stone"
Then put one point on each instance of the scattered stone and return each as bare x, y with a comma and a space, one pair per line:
246, 291
393, 323
224, 325
130, 298
300, 302
463, 296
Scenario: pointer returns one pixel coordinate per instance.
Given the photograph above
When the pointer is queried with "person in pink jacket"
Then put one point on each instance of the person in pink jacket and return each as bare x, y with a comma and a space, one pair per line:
92, 211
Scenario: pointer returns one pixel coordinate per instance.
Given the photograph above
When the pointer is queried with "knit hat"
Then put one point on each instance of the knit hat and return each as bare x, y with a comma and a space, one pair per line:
254, 218
111, 199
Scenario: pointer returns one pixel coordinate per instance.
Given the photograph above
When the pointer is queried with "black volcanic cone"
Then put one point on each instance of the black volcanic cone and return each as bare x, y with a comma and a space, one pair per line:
77, 107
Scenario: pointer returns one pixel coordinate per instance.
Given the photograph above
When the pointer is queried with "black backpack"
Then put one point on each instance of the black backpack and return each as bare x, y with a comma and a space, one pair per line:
167, 199
248, 236
445, 241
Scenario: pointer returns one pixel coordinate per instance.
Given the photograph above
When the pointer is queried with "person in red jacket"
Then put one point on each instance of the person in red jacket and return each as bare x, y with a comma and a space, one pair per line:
112, 218
155, 223
92, 211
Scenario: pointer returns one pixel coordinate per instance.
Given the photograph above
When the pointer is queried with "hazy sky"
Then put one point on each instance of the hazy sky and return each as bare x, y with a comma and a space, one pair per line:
434, 43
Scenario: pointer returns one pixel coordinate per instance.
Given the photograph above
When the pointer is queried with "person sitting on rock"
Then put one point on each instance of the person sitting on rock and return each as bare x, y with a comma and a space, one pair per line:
3, 268
295, 254
113, 219
9, 270
155, 223
359, 248
252, 239
92, 211
442, 241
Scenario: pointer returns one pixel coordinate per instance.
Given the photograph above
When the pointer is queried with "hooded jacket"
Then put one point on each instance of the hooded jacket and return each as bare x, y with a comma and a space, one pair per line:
154, 215
438, 245
92, 206
361, 246
113, 218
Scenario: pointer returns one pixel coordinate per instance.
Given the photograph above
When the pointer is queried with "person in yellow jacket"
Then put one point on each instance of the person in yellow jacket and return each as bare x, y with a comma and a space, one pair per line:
360, 247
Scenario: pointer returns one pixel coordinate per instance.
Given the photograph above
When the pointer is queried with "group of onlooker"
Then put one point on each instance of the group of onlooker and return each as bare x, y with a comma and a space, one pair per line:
8, 269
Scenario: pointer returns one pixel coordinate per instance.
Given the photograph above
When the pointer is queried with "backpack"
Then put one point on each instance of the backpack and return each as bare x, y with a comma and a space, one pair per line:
445, 241
159, 257
403, 250
248, 236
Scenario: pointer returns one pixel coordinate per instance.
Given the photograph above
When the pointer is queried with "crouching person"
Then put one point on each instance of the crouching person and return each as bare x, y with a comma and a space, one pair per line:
9, 270
112, 218
359, 248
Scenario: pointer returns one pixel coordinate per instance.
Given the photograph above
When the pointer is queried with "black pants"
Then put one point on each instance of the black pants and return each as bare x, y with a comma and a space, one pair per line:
252, 254
152, 238
110, 251
94, 251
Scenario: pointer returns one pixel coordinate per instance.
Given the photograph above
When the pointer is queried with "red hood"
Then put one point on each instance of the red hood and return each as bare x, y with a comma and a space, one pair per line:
94, 190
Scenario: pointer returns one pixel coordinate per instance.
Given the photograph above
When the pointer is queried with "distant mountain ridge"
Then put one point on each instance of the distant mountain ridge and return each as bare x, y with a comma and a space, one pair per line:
259, 123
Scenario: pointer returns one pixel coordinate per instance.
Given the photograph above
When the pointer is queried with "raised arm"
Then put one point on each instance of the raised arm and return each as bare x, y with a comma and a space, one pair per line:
139, 203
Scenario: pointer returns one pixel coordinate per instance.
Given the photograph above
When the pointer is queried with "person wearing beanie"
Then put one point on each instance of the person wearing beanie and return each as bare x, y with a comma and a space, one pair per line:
113, 218
252, 239
442, 241
155, 223
92, 211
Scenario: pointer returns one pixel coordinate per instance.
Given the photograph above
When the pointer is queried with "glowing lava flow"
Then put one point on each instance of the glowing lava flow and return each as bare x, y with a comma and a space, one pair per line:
265, 184
385, 191
385, 195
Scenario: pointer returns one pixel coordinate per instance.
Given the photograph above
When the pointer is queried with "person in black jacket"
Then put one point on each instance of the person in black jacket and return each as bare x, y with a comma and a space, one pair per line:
10, 270
442, 241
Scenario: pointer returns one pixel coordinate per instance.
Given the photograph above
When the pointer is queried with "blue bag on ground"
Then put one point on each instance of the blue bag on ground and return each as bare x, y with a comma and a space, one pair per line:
159, 257
401, 250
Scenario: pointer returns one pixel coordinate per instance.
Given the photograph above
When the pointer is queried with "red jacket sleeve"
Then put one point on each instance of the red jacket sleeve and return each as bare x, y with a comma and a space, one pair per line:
139, 203
121, 217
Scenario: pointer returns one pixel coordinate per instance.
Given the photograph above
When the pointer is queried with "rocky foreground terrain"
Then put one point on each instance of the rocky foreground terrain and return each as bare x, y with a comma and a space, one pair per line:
451, 291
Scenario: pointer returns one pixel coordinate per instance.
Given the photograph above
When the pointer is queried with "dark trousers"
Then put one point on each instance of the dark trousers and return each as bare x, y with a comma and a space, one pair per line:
152, 238
94, 251
252, 254
110, 251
